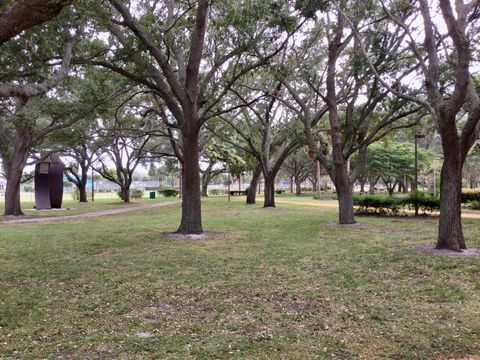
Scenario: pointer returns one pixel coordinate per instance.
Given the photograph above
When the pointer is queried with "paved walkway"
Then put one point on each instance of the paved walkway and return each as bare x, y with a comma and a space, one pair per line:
88, 215
335, 205
166, 203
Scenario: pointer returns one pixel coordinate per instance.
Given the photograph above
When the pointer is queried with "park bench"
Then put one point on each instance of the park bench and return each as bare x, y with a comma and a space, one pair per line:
279, 192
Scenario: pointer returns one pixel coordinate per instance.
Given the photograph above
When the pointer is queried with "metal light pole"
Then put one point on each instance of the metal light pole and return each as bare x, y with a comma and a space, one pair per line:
417, 136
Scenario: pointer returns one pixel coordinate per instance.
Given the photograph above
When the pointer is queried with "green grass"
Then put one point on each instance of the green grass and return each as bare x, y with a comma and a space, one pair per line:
285, 283
103, 201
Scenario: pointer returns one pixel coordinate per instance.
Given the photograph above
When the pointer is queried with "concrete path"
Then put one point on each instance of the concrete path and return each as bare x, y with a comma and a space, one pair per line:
88, 215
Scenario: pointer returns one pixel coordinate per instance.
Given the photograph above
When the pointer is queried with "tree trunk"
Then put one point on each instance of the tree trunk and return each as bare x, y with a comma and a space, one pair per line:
269, 190
82, 190
14, 170
405, 186
12, 191
82, 185
318, 175
206, 177
239, 178
298, 187
251, 195
362, 186
291, 184
204, 190
390, 189
372, 182
191, 222
345, 203
400, 186
450, 234
126, 194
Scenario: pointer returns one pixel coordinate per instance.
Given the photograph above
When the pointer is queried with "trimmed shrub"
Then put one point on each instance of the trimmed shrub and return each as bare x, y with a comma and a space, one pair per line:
470, 195
215, 192
475, 205
168, 192
422, 200
375, 204
134, 194
75, 194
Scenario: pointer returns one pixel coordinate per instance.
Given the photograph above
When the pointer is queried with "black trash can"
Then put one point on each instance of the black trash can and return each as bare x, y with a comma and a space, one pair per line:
152, 194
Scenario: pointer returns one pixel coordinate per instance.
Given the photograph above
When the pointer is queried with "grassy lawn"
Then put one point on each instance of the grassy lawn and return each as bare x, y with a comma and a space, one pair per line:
103, 201
285, 283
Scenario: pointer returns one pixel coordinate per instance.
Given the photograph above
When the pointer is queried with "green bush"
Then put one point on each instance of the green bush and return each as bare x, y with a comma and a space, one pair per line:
390, 205
168, 192
475, 205
422, 200
470, 195
376, 204
134, 194
75, 194
215, 192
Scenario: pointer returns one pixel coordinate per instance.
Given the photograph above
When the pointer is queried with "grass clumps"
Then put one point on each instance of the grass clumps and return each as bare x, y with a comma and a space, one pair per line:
288, 284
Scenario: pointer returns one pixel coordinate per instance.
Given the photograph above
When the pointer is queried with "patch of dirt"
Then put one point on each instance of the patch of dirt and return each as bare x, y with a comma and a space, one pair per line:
357, 224
122, 203
430, 249
206, 235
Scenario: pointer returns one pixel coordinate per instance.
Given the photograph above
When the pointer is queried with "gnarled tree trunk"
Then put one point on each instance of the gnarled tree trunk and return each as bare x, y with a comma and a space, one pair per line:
204, 190
450, 234
345, 202
191, 222
126, 194
298, 187
269, 199
12, 190
206, 176
13, 167
251, 195
82, 191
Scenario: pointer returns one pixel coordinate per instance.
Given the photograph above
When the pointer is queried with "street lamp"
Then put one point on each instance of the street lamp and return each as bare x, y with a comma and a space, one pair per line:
417, 136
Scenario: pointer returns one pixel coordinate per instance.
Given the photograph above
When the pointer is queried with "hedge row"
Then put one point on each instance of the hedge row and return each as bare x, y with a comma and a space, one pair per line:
385, 205
168, 192
470, 195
